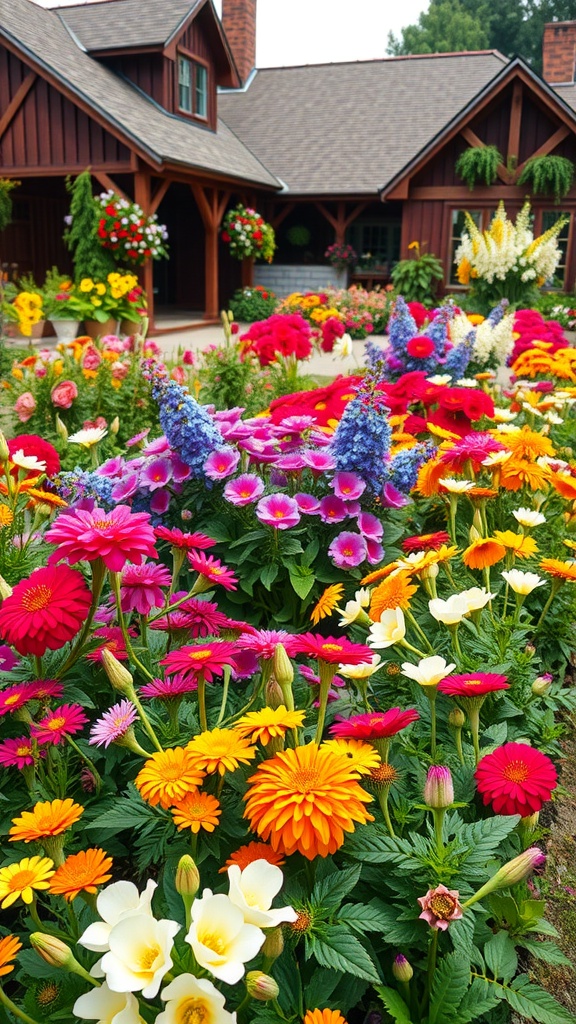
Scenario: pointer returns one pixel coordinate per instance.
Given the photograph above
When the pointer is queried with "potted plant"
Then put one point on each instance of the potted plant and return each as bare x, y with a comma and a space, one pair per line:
548, 176
127, 232
248, 235
341, 256
57, 292
416, 279
102, 304
479, 164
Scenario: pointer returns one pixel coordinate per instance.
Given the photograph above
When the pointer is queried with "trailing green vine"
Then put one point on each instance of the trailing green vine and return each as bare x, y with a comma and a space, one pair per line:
479, 164
548, 176
6, 187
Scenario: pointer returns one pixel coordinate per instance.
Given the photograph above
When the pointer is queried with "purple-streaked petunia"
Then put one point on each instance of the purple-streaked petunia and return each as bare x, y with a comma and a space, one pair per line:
307, 503
348, 550
348, 486
112, 468
260, 451
279, 511
292, 462
222, 463
157, 447
332, 509
141, 587
296, 424
244, 490
180, 469
113, 725
156, 474
370, 526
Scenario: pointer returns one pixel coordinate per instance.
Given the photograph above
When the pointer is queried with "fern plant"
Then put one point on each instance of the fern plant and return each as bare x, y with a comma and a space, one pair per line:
6, 186
479, 164
548, 176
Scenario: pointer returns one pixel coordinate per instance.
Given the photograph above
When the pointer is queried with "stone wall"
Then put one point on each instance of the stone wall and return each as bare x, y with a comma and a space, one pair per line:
283, 279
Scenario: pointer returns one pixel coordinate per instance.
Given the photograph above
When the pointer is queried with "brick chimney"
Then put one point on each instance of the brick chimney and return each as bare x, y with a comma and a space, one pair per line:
239, 22
559, 52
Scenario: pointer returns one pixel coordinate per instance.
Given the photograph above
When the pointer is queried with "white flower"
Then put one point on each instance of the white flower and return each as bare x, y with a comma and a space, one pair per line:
28, 461
343, 347
476, 598
191, 999
507, 428
221, 940
523, 582
390, 630
107, 1007
528, 517
504, 415
467, 382
115, 903
139, 954
449, 612
362, 671
362, 596
88, 437
456, 486
428, 671
439, 379
497, 458
253, 890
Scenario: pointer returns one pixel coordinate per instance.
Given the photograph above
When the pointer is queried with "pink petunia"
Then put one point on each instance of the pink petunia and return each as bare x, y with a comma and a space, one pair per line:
332, 509
370, 526
156, 474
221, 463
348, 550
348, 486
244, 490
307, 503
279, 511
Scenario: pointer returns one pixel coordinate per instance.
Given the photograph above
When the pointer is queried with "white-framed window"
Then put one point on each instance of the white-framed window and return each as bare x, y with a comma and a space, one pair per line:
185, 85
549, 218
458, 226
200, 90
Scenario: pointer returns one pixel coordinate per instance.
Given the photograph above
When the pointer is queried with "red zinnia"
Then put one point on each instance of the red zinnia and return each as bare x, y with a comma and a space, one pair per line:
45, 611
116, 537
472, 684
178, 539
426, 541
31, 444
208, 660
59, 723
114, 642
375, 725
516, 779
334, 650
212, 570
420, 347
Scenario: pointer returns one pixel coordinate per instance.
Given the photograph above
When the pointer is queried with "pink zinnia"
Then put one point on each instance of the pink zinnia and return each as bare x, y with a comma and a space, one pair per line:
113, 725
375, 725
17, 753
59, 723
116, 537
45, 611
15, 697
221, 463
473, 448
440, 906
244, 490
208, 660
141, 587
265, 641
279, 511
473, 684
169, 689
185, 541
212, 570
114, 642
332, 649
516, 779
348, 550
348, 486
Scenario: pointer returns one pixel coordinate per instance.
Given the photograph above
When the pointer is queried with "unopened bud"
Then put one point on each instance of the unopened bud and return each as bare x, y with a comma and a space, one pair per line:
439, 788
431, 572
456, 718
187, 879
4, 449
283, 668
5, 589
477, 521
402, 969
530, 823
273, 945
273, 693
118, 675
58, 954
542, 684
474, 534
510, 874
261, 986
530, 650
61, 429
115, 425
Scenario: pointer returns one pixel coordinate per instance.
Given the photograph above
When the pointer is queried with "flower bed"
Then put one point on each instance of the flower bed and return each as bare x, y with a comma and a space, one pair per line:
280, 699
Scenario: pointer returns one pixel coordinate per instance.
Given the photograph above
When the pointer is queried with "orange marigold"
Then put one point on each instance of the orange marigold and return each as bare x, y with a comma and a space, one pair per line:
50, 818
517, 473
81, 872
195, 811
167, 776
527, 443
247, 854
429, 476
560, 570
483, 552
394, 592
324, 1017
9, 947
565, 485
306, 799
6, 516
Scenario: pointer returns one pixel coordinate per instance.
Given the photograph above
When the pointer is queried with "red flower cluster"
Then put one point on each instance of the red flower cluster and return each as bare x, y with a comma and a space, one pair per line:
531, 326
420, 347
278, 335
124, 228
31, 444
331, 329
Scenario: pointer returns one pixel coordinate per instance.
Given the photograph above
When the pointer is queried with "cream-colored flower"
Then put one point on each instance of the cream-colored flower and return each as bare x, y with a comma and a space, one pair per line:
114, 904
363, 597
390, 630
253, 890
343, 348
504, 415
467, 382
139, 954
528, 517
107, 1007
476, 598
428, 671
439, 379
221, 940
362, 671
496, 458
454, 486
352, 610
191, 1000
88, 437
28, 461
523, 582
449, 612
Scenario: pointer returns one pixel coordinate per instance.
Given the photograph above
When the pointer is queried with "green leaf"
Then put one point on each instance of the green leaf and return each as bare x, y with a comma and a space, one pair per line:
462, 932
549, 952
483, 839
451, 982
302, 580
124, 814
394, 1004
500, 956
368, 917
331, 890
269, 574
533, 1002
479, 999
339, 949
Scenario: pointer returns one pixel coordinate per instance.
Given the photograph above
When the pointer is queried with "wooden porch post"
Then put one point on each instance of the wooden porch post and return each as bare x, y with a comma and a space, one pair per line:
341, 222
142, 195
211, 210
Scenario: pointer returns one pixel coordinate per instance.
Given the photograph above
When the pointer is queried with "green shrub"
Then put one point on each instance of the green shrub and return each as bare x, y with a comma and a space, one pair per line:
251, 304
548, 176
416, 279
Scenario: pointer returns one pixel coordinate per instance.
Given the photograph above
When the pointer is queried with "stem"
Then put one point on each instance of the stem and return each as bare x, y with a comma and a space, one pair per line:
431, 969
438, 815
474, 720
145, 720
506, 592
227, 673
15, 1009
115, 582
326, 673
432, 699
409, 647
202, 702
418, 629
87, 761
38, 667
458, 743
383, 795
455, 641
98, 575
556, 584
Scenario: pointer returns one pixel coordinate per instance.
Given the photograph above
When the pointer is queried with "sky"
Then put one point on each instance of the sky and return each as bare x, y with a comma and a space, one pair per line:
320, 31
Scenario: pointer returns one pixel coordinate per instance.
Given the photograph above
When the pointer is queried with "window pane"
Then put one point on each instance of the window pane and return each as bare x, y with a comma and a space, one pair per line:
549, 218
458, 226
184, 85
201, 106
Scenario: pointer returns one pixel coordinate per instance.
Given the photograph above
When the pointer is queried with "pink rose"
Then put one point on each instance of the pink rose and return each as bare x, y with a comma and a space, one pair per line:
25, 406
119, 370
178, 375
188, 357
64, 394
91, 359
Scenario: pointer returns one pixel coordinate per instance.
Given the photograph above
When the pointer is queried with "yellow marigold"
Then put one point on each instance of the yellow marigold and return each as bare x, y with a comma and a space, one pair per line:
6, 516
220, 750
444, 553
327, 602
306, 799
394, 592
42, 497
167, 776
441, 432
558, 569
10, 946
519, 543
475, 319
362, 756
195, 811
324, 1016
48, 818
483, 552
268, 723
86, 284
528, 444
517, 473
81, 872
20, 880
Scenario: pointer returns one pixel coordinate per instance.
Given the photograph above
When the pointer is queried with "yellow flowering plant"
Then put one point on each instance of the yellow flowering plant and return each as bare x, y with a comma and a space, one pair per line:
120, 296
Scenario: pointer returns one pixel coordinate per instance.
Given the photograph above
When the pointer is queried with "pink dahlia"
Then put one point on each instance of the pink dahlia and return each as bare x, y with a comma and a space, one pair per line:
212, 570
113, 724
208, 660
440, 906
516, 779
116, 537
244, 490
265, 641
473, 448
331, 649
186, 541
59, 723
279, 511
169, 689
141, 587
45, 611
375, 725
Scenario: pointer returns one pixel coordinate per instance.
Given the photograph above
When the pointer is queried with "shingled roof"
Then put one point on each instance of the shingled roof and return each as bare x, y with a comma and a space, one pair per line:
336, 129
42, 36
120, 24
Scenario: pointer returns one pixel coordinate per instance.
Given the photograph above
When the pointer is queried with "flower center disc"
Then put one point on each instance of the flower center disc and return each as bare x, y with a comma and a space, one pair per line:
516, 771
442, 906
305, 779
37, 598
192, 1012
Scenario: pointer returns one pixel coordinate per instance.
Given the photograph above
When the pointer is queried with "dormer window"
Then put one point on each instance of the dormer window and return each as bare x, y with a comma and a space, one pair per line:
192, 87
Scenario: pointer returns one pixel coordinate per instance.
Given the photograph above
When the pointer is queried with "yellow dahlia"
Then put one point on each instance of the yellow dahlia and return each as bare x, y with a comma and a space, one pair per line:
268, 723
167, 776
50, 818
220, 750
361, 756
21, 879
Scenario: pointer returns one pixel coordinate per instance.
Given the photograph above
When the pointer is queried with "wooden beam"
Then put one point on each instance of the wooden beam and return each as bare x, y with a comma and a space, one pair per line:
283, 212
109, 184
338, 222
159, 195
515, 123
204, 203
473, 140
142, 195
221, 208
461, 195
209, 208
352, 216
17, 101
547, 147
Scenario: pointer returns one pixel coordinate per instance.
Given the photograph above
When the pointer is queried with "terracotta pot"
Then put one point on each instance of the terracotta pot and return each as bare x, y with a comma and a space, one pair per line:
38, 330
65, 330
94, 329
130, 327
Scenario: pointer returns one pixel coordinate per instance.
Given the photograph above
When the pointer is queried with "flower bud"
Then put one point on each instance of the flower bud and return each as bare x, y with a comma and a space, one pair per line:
61, 429
439, 788
261, 986
5, 589
456, 718
115, 425
402, 969
118, 675
187, 879
283, 668
431, 572
510, 874
542, 684
530, 823
51, 949
273, 693
273, 944
474, 534
530, 649
4, 449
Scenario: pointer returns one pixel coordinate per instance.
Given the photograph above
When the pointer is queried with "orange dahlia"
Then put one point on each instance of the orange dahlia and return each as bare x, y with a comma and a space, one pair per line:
306, 799
268, 723
528, 444
517, 473
10, 946
483, 552
167, 776
560, 570
324, 1017
220, 750
247, 854
196, 810
394, 592
81, 872
50, 818
327, 602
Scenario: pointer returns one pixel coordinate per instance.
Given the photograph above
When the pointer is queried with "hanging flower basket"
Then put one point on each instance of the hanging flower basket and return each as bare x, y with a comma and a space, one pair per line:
125, 229
248, 235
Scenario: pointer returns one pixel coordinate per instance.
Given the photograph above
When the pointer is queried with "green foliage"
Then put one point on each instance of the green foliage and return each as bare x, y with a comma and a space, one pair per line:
250, 304
446, 27
479, 164
90, 259
228, 381
548, 176
298, 235
416, 279
6, 187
